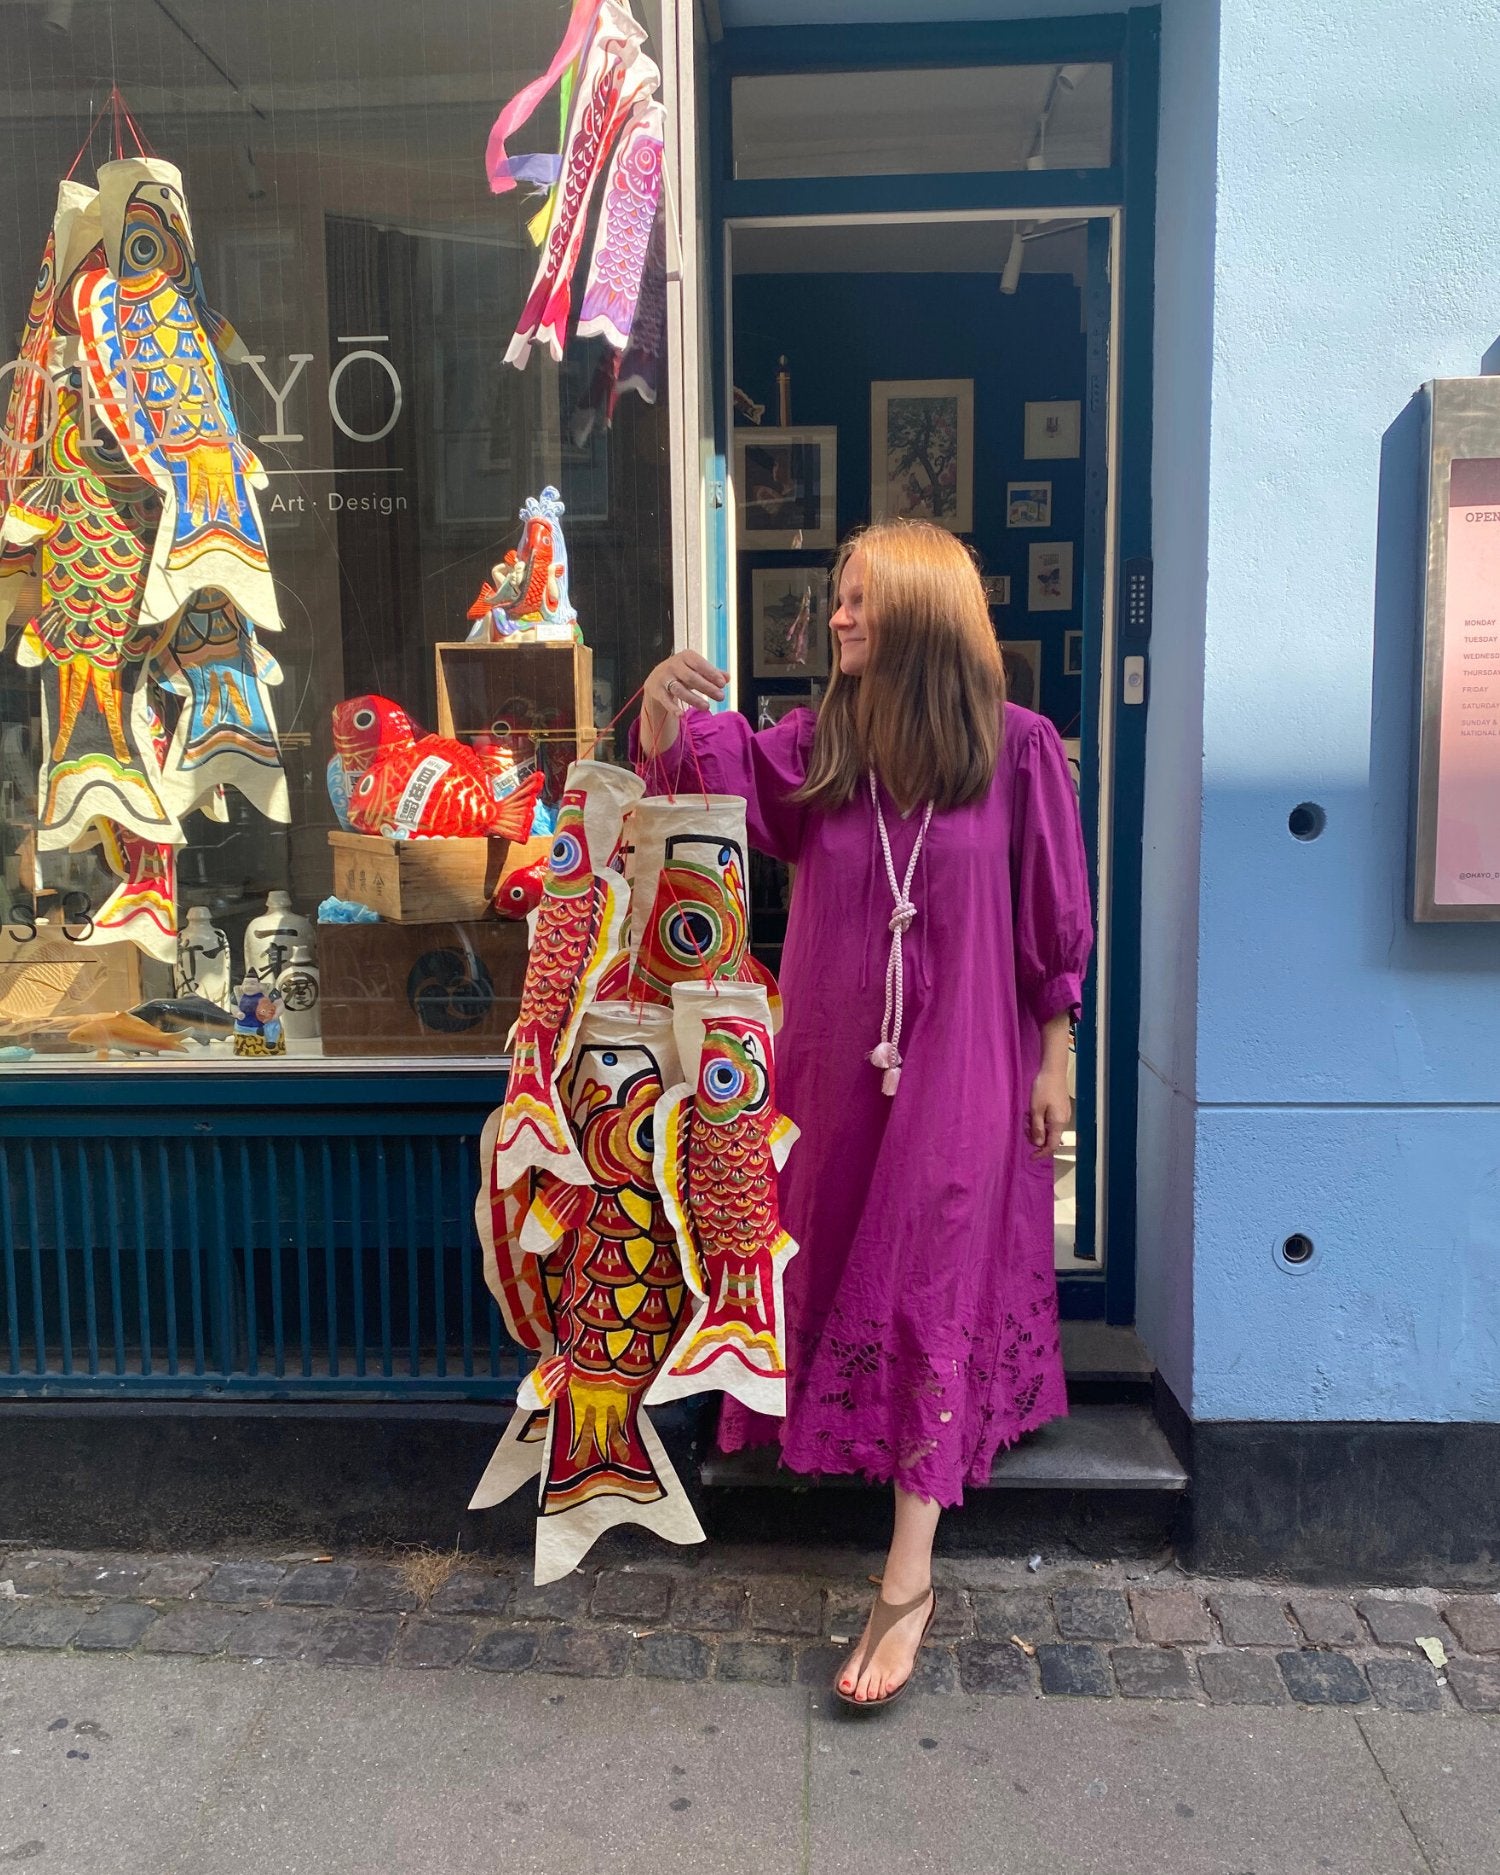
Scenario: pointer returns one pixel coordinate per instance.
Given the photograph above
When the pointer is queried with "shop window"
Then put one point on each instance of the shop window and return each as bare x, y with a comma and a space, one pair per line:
940, 121
174, 814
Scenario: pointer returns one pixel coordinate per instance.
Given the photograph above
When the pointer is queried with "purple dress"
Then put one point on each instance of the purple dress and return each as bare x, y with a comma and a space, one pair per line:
922, 1304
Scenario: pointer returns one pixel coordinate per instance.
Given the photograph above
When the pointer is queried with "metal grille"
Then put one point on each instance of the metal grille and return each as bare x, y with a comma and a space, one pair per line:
326, 1264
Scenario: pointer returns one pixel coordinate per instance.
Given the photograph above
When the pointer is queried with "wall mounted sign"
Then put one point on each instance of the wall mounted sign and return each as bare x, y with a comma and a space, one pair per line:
1456, 873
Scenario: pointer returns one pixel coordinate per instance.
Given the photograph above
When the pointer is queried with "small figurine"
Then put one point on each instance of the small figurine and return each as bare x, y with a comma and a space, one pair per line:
257, 1028
525, 600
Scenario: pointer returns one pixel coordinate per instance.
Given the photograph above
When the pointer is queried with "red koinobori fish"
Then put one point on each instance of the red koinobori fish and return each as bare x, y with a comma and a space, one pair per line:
580, 922
718, 1150
408, 786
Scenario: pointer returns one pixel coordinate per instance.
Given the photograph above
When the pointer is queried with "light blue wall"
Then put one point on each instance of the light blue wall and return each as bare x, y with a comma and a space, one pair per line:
1346, 1078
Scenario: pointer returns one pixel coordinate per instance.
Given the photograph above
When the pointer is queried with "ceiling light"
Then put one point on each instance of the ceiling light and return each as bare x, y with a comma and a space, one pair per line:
1070, 77
255, 189
1010, 279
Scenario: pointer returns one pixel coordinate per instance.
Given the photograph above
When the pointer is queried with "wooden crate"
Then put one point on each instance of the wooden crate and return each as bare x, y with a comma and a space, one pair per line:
47, 985
482, 688
412, 881
443, 988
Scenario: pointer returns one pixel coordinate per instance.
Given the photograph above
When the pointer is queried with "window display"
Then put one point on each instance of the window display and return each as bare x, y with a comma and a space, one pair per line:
275, 784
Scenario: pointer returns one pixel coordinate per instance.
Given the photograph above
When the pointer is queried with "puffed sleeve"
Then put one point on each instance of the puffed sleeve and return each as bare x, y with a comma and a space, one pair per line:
1054, 929
722, 754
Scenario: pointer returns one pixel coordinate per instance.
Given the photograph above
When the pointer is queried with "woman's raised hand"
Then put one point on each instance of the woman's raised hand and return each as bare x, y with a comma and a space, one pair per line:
678, 684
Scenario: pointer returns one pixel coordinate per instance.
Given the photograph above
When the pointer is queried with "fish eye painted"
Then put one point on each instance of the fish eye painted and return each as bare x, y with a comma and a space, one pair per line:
724, 1080
726, 855
610, 1059
566, 852
364, 719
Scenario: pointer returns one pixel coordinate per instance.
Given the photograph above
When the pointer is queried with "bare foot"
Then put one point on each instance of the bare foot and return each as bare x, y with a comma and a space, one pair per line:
888, 1648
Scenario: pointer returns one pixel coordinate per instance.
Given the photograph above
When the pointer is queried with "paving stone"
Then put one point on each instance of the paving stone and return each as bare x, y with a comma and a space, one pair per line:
1074, 1670
845, 1611
1253, 1620
102, 1575
1476, 1623
506, 1650
817, 1665
1171, 1617
1399, 1624
994, 1667
382, 1589
1241, 1680
954, 1620
756, 1663
471, 1594
1405, 1685
1153, 1673
1319, 1679
1326, 1621
936, 1671
435, 1643
360, 1640
621, 1595
42, 1624
174, 1578
34, 1571
115, 1628
591, 1653
786, 1605
999, 1613
193, 1630
709, 1605
1476, 1684
316, 1585
278, 1634
667, 1656
1085, 1614
552, 1601
243, 1582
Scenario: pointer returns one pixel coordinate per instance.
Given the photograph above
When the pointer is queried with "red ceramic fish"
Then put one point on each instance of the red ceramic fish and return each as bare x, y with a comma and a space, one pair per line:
408, 786
520, 892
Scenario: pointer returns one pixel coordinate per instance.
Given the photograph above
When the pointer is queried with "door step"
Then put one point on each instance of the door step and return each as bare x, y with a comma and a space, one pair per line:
1096, 1448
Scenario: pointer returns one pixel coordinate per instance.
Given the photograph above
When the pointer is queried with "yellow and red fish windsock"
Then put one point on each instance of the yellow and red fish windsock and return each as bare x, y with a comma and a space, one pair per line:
719, 1143
579, 926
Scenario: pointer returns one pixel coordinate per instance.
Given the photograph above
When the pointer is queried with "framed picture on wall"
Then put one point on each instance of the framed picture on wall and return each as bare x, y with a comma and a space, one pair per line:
922, 451
996, 589
1049, 586
1052, 429
786, 488
1023, 671
1072, 654
770, 710
789, 621
1028, 504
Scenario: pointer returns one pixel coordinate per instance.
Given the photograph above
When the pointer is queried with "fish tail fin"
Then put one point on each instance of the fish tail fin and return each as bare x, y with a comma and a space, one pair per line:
516, 1460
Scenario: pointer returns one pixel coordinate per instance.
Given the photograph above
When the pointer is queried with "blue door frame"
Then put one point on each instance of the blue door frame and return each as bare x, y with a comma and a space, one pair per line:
1130, 43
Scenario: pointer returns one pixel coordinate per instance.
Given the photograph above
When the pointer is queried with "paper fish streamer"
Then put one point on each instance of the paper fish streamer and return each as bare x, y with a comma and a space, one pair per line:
149, 348
526, 599
580, 925
408, 786
616, 1294
719, 1143
226, 732
613, 129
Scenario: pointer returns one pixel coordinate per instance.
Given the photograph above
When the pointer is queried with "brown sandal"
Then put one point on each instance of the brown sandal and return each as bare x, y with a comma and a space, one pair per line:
883, 1618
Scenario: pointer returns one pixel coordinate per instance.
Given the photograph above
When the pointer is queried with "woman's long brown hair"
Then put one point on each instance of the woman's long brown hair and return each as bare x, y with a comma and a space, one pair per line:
926, 711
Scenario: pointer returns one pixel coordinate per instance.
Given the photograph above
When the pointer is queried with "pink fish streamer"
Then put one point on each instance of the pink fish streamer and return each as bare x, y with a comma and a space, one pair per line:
506, 171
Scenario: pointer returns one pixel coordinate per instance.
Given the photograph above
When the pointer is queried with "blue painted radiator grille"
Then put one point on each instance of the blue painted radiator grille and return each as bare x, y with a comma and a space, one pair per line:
331, 1264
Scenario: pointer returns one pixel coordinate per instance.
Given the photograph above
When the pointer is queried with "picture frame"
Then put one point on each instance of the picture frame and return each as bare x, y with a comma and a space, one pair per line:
996, 589
786, 488
1053, 430
1022, 658
1049, 581
1028, 504
1072, 654
789, 611
769, 709
922, 451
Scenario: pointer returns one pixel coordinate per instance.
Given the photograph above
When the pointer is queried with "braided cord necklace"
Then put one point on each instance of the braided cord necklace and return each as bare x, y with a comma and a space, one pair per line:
887, 1054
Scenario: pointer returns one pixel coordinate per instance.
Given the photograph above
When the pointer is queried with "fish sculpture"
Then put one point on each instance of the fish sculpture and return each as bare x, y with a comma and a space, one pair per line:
580, 923
614, 1281
185, 1015
520, 892
719, 1144
129, 1034
526, 595
409, 786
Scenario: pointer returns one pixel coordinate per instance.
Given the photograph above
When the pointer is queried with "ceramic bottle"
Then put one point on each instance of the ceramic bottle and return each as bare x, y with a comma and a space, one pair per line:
272, 936
202, 966
301, 1018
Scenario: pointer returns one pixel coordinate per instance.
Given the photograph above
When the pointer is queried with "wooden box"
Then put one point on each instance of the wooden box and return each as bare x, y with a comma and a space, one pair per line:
443, 988
507, 690
412, 881
48, 985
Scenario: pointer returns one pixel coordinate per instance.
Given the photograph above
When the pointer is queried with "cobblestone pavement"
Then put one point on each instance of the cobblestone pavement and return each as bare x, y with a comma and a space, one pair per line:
1065, 1632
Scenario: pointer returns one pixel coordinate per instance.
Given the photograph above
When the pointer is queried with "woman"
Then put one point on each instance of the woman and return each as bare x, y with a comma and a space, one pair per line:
934, 958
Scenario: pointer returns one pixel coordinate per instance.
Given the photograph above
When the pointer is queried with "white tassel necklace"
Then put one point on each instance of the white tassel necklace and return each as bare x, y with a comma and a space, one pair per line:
887, 1054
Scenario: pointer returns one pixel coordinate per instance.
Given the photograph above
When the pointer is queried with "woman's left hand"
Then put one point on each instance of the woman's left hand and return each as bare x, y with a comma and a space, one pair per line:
1051, 1110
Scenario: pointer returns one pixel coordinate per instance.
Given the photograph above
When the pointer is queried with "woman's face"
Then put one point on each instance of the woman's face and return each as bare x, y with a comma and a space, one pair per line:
850, 630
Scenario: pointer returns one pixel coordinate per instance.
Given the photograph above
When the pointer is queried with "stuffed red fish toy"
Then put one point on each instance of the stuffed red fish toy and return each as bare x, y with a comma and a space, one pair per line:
408, 786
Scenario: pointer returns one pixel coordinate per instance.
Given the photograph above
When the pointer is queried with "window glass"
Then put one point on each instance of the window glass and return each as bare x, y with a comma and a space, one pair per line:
943, 121
221, 540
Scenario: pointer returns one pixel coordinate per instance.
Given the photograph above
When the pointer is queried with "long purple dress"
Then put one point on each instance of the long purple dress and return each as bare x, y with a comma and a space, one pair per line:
922, 1305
